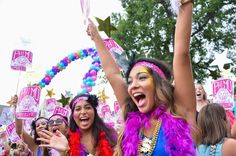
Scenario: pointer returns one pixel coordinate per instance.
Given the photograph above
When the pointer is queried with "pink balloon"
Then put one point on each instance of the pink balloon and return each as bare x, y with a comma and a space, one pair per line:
93, 73
97, 64
94, 78
89, 89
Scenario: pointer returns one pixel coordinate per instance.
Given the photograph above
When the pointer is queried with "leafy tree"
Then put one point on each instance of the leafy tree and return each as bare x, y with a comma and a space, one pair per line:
146, 28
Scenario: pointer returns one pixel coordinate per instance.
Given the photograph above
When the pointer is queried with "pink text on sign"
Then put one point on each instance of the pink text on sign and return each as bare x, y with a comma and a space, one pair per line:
21, 59
223, 92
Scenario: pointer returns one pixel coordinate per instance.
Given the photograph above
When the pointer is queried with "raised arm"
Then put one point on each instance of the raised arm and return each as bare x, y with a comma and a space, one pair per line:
109, 65
20, 131
182, 67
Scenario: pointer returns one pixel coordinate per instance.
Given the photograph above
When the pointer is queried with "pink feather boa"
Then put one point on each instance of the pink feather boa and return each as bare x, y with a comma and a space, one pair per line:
176, 131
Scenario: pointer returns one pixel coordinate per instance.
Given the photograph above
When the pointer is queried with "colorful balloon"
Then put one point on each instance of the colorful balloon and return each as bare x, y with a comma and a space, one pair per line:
88, 79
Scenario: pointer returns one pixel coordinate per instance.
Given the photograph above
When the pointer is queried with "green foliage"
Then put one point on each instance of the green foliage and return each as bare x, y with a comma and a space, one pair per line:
147, 29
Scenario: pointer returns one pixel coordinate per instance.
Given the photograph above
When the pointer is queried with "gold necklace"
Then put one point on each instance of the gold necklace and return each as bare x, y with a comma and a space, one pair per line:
144, 146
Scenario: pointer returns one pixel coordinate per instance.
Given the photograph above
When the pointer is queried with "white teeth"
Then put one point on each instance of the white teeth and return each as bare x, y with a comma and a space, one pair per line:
83, 118
136, 94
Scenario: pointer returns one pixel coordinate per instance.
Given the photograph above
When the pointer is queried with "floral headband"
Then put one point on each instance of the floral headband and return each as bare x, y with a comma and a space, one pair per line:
152, 66
85, 98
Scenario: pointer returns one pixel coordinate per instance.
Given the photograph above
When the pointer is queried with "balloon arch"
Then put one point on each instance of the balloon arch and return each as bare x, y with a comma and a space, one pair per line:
88, 79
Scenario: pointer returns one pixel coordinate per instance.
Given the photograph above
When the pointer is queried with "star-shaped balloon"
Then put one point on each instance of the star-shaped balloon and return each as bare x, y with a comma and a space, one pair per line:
221, 60
32, 74
102, 96
68, 94
50, 93
64, 100
105, 25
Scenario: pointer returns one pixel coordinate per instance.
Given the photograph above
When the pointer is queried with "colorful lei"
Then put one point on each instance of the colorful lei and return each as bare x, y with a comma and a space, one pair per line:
77, 149
176, 131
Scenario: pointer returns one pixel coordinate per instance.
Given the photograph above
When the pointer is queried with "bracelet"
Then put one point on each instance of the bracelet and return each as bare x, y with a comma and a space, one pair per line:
185, 1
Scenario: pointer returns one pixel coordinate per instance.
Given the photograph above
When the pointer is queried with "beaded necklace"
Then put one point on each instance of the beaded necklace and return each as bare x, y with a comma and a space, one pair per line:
142, 150
173, 128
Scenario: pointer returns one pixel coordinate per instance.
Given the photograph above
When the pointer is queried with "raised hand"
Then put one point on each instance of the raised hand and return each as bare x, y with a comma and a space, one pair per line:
92, 30
22, 149
13, 100
53, 140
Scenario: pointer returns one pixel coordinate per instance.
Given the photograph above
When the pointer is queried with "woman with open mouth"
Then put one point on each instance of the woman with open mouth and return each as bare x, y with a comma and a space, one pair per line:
57, 122
201, 97
39, 124
87, 136
158, 116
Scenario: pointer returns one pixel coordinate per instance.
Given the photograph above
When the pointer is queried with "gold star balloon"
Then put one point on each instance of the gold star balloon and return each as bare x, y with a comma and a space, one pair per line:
102, 96
50, 93
105, 25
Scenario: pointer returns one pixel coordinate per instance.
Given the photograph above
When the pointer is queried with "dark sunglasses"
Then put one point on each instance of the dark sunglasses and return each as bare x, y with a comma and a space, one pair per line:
41, 123
57, 121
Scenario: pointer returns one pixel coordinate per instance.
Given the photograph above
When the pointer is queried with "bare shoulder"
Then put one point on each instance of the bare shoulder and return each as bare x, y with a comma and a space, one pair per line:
228, 148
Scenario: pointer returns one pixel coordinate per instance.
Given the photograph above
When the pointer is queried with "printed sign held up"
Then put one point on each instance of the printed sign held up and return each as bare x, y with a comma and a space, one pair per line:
21, 59
11, 133
27, 107
223, 93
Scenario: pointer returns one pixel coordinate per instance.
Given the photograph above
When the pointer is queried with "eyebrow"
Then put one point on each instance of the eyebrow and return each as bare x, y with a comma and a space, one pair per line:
142, 72
87, 104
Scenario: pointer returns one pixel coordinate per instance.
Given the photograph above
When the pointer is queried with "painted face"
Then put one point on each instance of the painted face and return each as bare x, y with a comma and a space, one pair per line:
41, 124
83, 115
57, 123
199, 90
141, 88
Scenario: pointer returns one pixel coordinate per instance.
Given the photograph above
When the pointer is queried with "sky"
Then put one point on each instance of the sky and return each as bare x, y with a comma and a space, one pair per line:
51, 30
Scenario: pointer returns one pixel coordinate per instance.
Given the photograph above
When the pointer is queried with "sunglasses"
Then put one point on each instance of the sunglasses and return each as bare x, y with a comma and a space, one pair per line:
43, 123
57, 121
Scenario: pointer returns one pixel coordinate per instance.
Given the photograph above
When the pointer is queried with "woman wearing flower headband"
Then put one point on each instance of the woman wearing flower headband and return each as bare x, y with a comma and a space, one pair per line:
157, 114
87, 135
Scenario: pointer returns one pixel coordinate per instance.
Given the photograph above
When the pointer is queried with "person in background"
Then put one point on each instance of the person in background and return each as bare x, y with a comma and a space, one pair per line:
38, 125
215, 129
201, 96
57, 122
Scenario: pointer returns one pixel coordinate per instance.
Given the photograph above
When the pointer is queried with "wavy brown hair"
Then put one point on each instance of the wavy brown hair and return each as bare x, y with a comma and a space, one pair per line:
164, 91
212, 121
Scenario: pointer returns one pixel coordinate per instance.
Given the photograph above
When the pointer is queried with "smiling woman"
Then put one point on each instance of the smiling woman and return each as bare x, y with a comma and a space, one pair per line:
157, 114
87, 135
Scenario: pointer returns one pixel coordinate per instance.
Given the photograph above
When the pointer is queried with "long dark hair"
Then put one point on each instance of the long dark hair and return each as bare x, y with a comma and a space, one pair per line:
33, 126
164, 88
98, 124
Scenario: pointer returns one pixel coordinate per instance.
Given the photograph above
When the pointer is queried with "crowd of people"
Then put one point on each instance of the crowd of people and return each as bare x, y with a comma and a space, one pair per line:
160, 117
